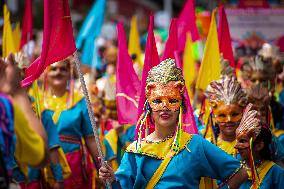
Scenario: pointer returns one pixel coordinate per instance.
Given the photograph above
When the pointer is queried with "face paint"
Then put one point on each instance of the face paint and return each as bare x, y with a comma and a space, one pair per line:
164, 97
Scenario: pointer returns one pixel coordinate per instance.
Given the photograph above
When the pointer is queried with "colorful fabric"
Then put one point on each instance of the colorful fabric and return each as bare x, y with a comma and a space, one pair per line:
29, 145
172, 43
151, 59
127, 85
134, 41
7, 135
81, 177
55, 47
199, 158
271, 178
228, 147
115, 145
186, 24
8, 45
77, 126
27, 26
225, 42
73, 124
35, 174
210, 68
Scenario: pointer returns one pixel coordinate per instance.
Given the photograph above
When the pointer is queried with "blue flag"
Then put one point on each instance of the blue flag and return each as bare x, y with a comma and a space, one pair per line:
90, 30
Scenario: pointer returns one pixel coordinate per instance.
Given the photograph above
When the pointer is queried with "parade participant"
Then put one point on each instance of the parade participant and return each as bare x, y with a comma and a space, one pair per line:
227, 101
260, 98
169, 157
73, 125
261, 70
22, 135
253, 140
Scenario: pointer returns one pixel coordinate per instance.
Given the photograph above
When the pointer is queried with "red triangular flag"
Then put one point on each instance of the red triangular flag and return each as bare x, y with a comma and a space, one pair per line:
172, 43
187, 23
151, 60
27, 25
225, 42
58, 40
127, 82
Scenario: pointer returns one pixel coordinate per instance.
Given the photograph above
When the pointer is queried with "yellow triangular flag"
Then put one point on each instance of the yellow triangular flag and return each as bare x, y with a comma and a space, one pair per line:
189, 71
8, 45
17, 36
210, 67
134, 42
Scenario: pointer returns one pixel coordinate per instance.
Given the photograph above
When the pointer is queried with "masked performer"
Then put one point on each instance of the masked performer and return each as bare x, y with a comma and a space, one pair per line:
260, 70
253, 140
260, 98
169, 157
227, 101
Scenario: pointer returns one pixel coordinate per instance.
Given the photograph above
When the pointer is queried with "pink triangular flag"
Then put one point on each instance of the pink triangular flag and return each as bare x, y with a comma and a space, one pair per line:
187, 23
58, 40
127, 82
151, 60
172, 43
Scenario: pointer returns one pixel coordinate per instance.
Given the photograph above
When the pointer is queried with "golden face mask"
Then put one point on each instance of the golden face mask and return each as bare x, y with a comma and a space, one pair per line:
231, 113
164, 97
165, 86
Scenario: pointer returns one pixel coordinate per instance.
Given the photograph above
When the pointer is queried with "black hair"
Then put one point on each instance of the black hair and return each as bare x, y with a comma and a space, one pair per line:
266, 137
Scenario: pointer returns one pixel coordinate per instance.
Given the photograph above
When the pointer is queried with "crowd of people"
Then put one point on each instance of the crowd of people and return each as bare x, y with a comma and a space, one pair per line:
47, 139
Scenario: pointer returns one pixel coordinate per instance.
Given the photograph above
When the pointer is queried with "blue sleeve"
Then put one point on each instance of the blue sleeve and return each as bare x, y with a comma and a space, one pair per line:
127, 171
87, 129
215, 163
277, 177
50, 128
279, 149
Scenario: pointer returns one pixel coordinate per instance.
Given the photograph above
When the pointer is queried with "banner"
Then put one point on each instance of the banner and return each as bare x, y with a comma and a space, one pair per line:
265, 25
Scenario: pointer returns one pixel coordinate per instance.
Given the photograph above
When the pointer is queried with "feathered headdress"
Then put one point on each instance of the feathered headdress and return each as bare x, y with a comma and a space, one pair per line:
250, 127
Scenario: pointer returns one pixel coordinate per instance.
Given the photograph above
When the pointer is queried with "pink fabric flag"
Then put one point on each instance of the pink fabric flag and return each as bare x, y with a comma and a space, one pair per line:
27, 24
187, 23
58, 40
127, 82
225, 42
172, 43
188, 119
151, 60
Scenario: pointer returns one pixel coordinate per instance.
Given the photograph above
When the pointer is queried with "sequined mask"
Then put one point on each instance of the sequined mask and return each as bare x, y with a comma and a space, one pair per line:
165, 97
165, 85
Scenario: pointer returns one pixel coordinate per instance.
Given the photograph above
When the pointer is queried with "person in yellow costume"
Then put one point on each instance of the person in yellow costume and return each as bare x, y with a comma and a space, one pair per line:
29, 142
227, 100
69, 113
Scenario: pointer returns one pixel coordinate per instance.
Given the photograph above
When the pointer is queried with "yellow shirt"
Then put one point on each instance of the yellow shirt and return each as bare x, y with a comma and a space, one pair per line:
29, 145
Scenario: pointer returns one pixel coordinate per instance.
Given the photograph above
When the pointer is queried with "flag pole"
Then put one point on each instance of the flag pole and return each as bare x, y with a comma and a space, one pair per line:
91, 113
